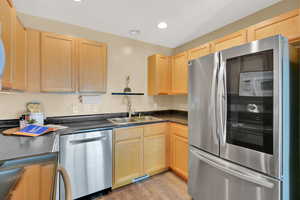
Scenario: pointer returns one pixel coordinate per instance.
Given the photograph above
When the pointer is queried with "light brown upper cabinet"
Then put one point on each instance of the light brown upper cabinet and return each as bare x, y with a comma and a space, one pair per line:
19, 65
234, 39
92, 66
159, 75
14, 39
58, 62
33, 60
200, 51
180, 73
287, 25
7, 15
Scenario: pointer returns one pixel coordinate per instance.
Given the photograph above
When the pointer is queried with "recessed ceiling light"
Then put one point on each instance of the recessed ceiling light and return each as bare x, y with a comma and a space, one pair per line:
77, 1
134, 32
162, 25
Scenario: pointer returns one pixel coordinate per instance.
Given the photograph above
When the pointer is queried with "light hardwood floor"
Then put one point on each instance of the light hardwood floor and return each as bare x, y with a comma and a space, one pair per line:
166, 186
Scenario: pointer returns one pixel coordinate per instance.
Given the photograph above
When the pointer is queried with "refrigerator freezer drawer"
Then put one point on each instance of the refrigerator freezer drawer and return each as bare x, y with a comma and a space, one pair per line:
212, 178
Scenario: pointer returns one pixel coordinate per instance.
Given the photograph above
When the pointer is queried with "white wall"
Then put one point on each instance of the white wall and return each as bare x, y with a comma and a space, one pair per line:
125, 57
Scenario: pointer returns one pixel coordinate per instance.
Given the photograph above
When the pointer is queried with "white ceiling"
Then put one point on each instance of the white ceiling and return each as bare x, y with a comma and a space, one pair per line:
187, 19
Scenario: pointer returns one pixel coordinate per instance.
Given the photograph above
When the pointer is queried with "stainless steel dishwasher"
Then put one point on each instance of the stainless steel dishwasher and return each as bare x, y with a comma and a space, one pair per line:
87, 157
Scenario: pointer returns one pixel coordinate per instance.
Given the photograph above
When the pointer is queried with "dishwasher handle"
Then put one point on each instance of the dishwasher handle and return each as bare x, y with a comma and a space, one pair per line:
67, 182
86, 140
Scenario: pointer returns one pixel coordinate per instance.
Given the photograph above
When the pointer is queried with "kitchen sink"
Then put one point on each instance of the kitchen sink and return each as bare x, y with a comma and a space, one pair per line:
139, 119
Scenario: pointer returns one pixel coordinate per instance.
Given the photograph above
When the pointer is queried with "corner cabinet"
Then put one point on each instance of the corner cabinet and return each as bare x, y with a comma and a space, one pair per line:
180, 73
159, 75
92, 66
58, 62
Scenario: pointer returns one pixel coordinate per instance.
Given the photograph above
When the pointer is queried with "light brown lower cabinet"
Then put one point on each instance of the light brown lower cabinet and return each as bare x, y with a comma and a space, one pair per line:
35, 183
128, 155
179, 149
149, 150
155, 148
139, 151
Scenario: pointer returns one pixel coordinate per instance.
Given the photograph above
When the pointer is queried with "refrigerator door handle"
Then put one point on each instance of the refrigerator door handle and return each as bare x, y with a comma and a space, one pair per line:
214, 88
222, 101
239, 174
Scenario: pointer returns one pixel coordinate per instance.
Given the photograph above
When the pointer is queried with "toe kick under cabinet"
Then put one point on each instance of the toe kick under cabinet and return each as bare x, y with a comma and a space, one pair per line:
148, 150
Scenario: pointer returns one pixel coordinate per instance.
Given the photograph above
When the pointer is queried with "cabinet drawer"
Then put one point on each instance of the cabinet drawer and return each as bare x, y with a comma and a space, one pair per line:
179, 130
155, 129
128, 133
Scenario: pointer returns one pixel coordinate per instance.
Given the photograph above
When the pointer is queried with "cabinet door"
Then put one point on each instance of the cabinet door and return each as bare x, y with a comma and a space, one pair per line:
180, 155
20, 65
159, 75
33, 60
7, 15
287, 25
92, 66
155, 148
163, 73
179, 149
234, 39
154, 154
180, 74
47, 180
128, 155
58, 63
28, 188
36, 183
200, 51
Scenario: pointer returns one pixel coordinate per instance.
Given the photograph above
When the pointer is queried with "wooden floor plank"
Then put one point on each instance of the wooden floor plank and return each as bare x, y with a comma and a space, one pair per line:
166, 186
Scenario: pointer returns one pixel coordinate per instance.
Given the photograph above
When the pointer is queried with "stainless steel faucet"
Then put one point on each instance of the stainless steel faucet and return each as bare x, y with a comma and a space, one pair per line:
129, 107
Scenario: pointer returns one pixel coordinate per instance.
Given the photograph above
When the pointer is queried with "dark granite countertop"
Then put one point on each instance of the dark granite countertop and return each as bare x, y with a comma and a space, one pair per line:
174, 118
12, 147
77, 124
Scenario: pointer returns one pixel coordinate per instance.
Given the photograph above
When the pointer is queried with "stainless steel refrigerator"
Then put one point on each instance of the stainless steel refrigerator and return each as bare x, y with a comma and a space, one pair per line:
241, 132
